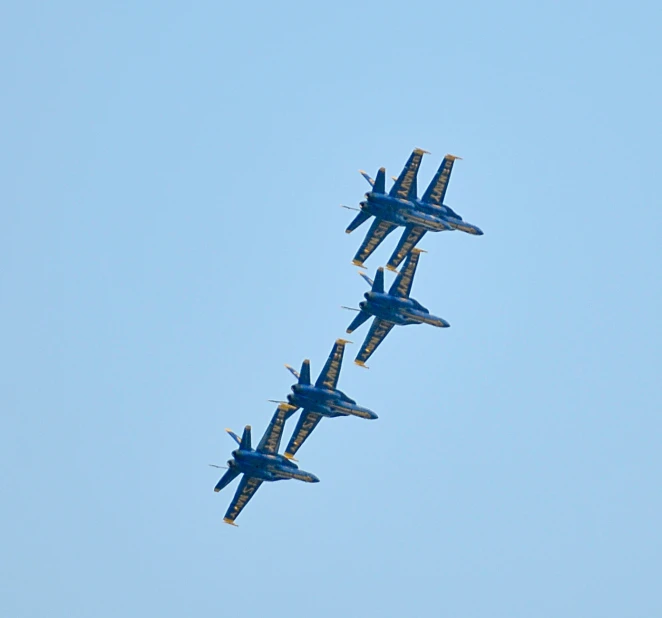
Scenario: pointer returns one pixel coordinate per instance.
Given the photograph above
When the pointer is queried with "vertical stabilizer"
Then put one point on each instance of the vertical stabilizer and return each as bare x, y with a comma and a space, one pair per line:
304, 376
357, 221
380, 181
246, 439
378, 283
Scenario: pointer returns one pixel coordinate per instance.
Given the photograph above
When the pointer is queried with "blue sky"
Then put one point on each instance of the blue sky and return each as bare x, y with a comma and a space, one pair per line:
171, 179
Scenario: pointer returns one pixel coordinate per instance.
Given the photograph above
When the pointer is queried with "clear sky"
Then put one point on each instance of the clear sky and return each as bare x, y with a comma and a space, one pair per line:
171, 175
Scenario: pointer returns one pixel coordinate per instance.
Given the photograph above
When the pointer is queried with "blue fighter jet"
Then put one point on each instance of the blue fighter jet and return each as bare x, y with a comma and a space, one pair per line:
401, 207
322, 399
261, 464
390, 309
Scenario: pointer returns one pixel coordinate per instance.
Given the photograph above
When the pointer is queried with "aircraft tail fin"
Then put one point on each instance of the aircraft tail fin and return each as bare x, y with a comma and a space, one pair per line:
380, 181
245, 444
371, 182
234, 436
378, 283
359, 220
304, 376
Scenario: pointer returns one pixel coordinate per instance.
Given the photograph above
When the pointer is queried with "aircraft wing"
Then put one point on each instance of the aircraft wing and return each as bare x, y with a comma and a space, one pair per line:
402, 284
379, 230
329, 376
405, 185
409, 240
379, 329
270, 442
307, 422
436, 192
247, 488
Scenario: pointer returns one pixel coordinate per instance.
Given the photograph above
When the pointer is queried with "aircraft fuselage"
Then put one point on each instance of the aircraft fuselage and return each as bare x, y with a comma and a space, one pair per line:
269, 467
327, 402
430, 217
402, 311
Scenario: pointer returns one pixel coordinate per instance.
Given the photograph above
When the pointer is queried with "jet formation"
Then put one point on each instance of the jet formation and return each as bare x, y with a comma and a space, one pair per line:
399, 207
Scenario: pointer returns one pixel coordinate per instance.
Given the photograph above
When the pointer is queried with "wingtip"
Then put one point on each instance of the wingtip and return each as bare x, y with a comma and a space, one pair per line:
361, 364
345, 341
290, 457
421, 151
357, 263
453, 157
229, 522
392, 269
417, 250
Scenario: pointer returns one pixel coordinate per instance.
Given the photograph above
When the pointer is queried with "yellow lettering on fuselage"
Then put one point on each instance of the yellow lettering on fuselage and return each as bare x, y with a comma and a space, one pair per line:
274, 436
441, 184
403, 192
243, 499
334, 367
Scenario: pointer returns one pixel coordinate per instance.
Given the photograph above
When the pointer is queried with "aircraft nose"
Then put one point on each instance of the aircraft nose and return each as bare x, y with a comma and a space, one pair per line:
313, 479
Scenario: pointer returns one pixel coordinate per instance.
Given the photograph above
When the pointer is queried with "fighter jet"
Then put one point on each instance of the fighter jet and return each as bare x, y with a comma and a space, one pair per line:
261, 464
390, 309
322, 399
401, 207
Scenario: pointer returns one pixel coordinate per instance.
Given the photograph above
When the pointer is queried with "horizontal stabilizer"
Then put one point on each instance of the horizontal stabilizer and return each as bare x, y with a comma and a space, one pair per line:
226, 479
358, 320
357, 221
